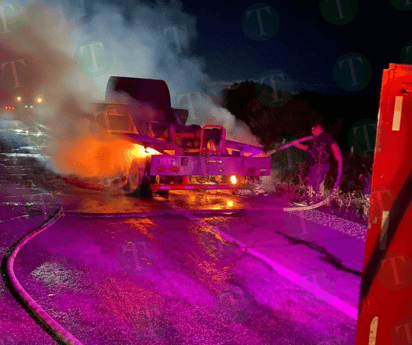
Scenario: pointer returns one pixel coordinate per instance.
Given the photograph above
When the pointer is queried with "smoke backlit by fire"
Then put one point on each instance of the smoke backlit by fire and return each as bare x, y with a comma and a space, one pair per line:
48, 39
105, 156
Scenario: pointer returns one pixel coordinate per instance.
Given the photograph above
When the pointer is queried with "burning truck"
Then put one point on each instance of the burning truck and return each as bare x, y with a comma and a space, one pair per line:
170, 154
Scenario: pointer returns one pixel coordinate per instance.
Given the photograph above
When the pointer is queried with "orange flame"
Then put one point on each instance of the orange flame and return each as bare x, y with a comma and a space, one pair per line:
100, 156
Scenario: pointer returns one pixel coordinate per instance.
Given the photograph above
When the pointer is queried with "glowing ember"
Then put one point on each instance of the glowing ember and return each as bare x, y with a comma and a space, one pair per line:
233, 179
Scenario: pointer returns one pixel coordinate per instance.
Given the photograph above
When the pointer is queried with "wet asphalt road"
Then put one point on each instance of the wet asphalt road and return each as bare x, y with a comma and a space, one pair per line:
167, 279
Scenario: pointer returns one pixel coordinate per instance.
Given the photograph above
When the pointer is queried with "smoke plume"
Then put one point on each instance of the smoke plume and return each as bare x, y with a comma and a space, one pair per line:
68, 58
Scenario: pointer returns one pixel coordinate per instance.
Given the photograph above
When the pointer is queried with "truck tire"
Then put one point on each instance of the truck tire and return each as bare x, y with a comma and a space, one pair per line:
137, 180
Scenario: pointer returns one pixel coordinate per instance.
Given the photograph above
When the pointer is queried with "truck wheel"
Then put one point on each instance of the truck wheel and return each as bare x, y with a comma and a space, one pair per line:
136, 179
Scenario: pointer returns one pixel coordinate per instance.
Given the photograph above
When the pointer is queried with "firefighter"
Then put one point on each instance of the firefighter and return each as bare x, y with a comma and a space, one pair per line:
318, 161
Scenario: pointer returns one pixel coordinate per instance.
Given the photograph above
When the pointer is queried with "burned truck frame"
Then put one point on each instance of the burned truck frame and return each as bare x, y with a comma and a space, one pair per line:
186, 157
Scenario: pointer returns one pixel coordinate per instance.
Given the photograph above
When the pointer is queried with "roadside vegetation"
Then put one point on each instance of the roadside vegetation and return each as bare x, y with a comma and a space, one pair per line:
276, 123
350, 203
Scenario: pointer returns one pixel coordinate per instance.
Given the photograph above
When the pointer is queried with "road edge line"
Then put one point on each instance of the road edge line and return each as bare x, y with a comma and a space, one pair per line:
330, 299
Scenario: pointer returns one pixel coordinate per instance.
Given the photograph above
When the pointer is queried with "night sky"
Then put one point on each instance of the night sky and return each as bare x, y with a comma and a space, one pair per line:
307, 44
328, 46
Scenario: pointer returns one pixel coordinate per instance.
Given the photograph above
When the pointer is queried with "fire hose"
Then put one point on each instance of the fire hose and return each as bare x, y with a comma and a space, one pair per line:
334, 189
48, 322
40, 315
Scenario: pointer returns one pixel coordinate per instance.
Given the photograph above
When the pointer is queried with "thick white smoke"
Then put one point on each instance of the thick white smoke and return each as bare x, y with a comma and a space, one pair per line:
69, 61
